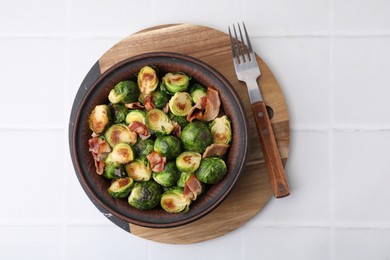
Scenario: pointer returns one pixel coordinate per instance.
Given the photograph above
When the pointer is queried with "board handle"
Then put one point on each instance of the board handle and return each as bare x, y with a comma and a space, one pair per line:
272, 157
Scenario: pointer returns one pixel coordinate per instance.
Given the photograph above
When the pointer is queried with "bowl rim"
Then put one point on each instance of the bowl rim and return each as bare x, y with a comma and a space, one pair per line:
82, 97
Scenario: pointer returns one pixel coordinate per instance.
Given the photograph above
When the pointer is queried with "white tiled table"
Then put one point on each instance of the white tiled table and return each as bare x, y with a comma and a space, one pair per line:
332, 60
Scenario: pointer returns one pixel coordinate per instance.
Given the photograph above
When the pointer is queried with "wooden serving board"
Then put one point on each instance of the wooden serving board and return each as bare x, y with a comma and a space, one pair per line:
253, 189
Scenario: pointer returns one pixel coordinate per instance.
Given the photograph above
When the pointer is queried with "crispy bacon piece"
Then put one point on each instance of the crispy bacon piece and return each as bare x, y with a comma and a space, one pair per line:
212, 106
134, 105
157, 162
196, 112
192, 188
99, 149
215, 150
176, 129
141, 129
166, 108
148, 103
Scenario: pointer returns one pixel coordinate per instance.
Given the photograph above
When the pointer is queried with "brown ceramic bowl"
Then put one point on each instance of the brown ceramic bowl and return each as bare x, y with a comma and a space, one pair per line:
94, 90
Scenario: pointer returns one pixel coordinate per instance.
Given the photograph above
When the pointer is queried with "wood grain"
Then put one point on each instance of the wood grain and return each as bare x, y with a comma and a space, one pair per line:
253, 189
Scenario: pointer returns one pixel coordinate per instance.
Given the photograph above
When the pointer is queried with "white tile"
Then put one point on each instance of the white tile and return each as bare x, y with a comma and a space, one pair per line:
308, 175
40, 16
103, 242
361, 167
301, 67
32, 174
286, 243
287, 16
33, 80
361, 82
362, 244
26, 242
363, 15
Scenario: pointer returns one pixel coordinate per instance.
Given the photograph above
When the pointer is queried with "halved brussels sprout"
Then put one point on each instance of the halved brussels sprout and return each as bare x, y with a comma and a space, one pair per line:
121, 153
181, 120
143, 147
147, 80
196, 137
184, 176
211, 170
158, 122
120, 133
136, 116
175, 82
169, 176
188, 161
145, 195
121, 188
173, 201
180, 104
139, 169
125, 91
99, 119
167, 146
221, 130
197, 91
119, 111
113, 170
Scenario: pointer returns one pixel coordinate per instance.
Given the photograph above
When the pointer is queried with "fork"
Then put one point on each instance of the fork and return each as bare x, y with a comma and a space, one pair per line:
248, 71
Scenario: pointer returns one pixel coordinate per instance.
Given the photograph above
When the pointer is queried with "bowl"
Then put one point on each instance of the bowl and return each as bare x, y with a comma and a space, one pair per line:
92, 93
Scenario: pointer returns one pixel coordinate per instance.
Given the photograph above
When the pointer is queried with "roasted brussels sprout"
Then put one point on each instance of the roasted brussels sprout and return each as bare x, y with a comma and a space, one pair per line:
147, 80
181, 120
125, 91
184, 176
197, 91
158, 122
136, 116
120, 133
180, 104
167, 146
169, 176
139, 169
99, 119
188, 161
221, 130
113, 170
121, 188
145, 195
160, 99
119, 112
196, 137
143, 147
175, 82
121, 153
173, 201
211, 170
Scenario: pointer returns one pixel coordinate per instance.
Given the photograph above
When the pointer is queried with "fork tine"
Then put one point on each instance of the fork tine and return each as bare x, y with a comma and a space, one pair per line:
232, 44
240, 56
252, 55
245, 52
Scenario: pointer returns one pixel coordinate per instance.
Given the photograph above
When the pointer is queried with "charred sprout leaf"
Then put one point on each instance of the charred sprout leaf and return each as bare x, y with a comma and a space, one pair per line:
121, 153
125, 91
196, 137
183, 179
158, 122
175, 82
173, 201
119, 133
139, 169
147, 80
99, 119
197, 91
221, 130
211, 170
136, 116
188, 161
169, 176
113, 170
145, 195
121, 188
143, 147
119, 111
168, 146
180, 104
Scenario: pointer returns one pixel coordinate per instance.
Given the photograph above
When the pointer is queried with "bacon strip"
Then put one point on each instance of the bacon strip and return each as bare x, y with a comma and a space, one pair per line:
141, 129
134, 105
148, 103
215, 150
196, 112
176, 129
99, 149
212, 106
192, 188
157, 162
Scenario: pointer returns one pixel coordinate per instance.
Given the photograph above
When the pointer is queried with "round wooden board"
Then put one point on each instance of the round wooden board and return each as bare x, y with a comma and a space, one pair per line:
253, 189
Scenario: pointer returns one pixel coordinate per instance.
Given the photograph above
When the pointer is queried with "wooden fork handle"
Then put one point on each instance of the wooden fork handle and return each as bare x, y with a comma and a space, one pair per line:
272, 157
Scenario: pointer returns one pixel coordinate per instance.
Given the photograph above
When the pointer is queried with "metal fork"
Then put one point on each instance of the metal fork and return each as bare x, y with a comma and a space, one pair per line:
247, 70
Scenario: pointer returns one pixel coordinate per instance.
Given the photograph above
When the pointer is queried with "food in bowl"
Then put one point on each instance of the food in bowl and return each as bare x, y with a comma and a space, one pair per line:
161, 141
